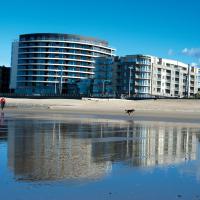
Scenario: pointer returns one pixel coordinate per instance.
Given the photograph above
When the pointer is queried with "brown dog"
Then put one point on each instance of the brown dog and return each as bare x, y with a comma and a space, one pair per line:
130, 111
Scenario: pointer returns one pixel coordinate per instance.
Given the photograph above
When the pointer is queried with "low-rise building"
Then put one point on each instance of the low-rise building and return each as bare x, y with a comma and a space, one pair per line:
4, 79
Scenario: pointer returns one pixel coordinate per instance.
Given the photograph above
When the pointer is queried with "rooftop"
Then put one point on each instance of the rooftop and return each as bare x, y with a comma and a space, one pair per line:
70, 37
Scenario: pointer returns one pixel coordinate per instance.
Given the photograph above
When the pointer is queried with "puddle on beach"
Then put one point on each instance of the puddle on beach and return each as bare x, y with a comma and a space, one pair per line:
84, 159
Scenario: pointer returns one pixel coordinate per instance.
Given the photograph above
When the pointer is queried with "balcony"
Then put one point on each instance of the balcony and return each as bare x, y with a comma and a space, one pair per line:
142, 77
158, 86
142, 84
142, 63
158, 72
138, 69
176, 88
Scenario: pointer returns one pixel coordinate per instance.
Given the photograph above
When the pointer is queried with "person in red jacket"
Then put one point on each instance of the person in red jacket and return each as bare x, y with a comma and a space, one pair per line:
3, 102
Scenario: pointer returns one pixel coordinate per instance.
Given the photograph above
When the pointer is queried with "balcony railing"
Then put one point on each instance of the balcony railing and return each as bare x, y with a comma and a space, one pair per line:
176, 88
158, 72
142, 77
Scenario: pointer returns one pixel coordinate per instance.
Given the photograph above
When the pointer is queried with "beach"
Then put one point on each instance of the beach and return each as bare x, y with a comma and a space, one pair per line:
93, 146
173, 110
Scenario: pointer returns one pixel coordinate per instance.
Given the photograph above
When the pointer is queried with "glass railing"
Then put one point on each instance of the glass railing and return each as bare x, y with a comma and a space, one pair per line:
99, 43
142, 77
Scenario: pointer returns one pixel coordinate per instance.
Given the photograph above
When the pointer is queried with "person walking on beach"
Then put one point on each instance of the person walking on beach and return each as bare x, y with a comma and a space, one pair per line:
3, 102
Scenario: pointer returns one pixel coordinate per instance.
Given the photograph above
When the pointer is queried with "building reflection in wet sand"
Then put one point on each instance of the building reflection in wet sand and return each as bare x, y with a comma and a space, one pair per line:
77, 150
3, 127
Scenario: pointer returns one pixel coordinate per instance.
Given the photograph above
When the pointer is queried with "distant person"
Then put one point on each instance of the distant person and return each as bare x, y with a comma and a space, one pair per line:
3, 102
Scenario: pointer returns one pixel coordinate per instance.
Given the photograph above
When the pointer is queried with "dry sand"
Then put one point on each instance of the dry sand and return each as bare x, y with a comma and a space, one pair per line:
187, 111
108, 105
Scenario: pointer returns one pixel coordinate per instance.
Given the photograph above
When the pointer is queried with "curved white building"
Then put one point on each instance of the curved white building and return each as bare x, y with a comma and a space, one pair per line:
50, 63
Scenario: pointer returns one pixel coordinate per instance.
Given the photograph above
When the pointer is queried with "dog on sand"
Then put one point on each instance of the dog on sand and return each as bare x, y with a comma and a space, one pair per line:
130, 111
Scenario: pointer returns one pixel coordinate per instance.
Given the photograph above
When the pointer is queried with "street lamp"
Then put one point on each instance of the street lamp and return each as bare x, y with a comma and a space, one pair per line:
55, 88
61, 81
129, 86
104, 81
56, 80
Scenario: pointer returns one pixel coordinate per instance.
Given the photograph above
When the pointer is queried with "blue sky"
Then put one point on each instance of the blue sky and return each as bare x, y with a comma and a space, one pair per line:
169, 29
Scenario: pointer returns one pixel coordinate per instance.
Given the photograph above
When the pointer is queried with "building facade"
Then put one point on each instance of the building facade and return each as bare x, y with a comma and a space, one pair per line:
105, 76
147, 76
49, 63
173, 78
134, 76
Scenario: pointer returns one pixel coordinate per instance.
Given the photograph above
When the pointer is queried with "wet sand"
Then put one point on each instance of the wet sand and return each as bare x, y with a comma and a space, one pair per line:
184, 111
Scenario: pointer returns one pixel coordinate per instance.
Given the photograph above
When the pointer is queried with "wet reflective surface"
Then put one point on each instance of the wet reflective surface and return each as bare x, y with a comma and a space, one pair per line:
83, 159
